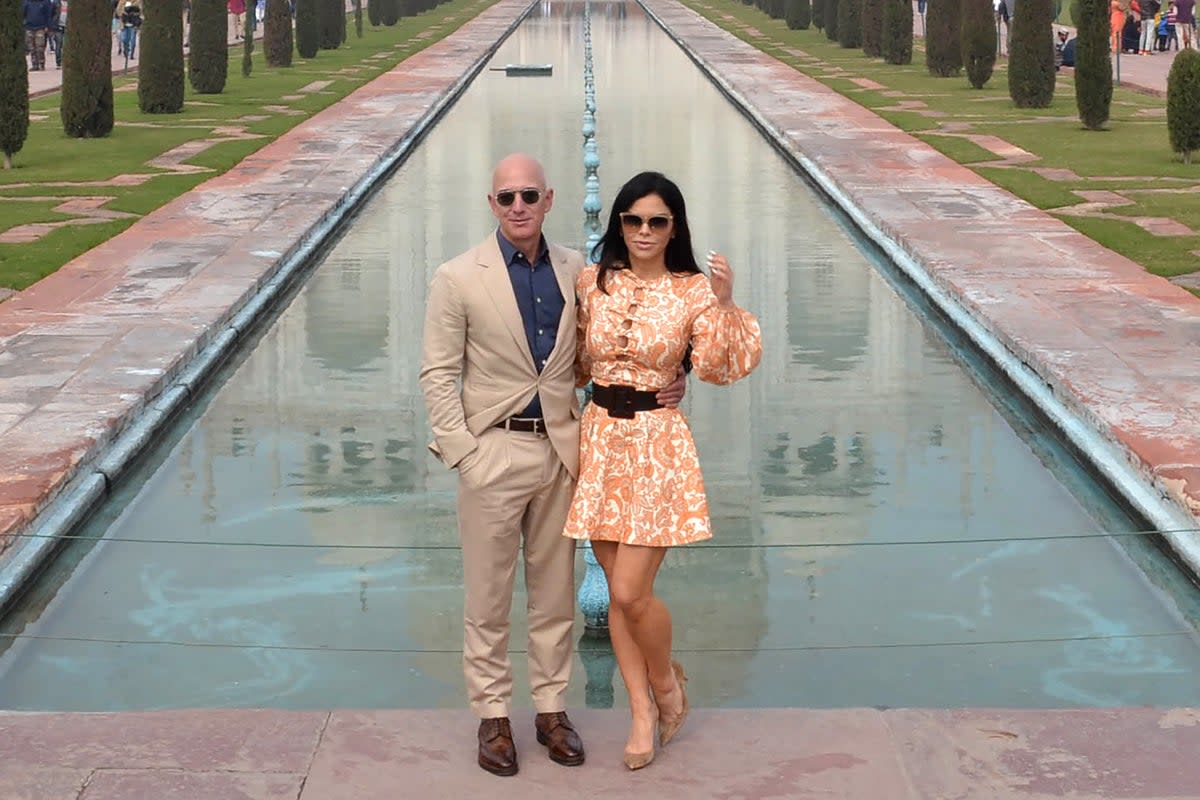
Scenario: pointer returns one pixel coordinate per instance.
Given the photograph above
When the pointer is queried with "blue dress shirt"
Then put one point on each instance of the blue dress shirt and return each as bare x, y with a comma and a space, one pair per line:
541, 304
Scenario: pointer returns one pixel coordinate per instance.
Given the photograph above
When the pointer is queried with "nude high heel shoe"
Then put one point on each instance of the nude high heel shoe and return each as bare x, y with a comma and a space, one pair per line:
668, 727
635, 761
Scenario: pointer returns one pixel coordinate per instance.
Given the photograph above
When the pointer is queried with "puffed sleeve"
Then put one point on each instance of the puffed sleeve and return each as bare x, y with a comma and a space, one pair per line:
727, 343
583, 362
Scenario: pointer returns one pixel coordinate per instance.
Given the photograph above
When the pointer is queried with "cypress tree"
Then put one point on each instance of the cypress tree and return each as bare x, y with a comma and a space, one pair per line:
358, 18
1031, 54
374, 12
330, 27
850, 23
1093, 65
160, 74
978, 40
872, 27
943, 39
277, 33
897, 31
248, 40
208, 57
831, 19
86, 107
776, 9
390, 13
799, 14
818, 14
1183, 104
308, 27
14, 81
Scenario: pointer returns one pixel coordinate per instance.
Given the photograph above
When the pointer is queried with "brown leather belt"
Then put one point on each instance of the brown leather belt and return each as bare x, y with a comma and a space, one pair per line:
523, 425
623, 402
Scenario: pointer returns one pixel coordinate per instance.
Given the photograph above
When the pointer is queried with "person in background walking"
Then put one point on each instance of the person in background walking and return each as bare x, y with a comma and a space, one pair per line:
237, 8
1149, 11
1185, 22
58, 27
131, 20
39, 16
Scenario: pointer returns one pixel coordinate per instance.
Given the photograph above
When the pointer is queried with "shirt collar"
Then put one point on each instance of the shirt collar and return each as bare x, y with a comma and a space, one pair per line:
509, 250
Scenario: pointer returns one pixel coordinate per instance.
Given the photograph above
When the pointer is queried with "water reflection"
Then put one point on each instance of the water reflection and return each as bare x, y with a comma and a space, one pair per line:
858, 431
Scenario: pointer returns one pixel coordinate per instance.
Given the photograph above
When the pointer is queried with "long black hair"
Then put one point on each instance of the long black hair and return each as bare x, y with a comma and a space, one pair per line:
612, 254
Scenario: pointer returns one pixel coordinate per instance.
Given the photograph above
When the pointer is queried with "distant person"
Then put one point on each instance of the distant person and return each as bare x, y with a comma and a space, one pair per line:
58, 27
1149, 27
1003, 16
39, 16
1185, 22
238, 9
131, 22
1068, 52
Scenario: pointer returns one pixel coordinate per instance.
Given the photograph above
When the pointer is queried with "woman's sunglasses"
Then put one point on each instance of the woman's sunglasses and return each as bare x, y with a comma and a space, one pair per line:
658, 223
509, 196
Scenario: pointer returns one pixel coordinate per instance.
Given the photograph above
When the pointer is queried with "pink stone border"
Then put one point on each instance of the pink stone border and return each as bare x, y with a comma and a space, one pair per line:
113, 338
1108, 350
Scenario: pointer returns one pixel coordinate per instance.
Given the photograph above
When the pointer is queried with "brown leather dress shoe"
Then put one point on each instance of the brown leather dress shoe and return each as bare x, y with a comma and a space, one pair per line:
497, 753
558, 734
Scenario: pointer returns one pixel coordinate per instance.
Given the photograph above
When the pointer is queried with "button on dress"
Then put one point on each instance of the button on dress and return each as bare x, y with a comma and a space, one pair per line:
639, 479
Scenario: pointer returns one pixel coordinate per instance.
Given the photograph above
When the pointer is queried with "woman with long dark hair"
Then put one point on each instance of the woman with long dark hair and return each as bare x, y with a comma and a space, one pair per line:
640, 490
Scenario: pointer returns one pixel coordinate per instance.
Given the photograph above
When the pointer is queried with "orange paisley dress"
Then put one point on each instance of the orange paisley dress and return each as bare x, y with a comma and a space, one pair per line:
639, 479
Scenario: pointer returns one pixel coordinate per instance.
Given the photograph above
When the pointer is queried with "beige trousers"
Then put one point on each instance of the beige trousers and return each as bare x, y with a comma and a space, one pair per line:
514, 488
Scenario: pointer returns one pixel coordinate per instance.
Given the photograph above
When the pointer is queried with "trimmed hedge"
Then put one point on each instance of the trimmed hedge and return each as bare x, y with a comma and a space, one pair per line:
86, 107
308, 27
818, 14
1031, 73
208, 56
831, 19
897, 42
872, 27
799, 15
1093, 64
850, 23
943, 38
160, 73
14, 81
277, 33
978, 41
1183, 104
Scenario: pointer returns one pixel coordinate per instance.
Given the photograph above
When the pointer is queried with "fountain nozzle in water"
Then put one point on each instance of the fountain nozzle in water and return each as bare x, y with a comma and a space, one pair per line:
523, 70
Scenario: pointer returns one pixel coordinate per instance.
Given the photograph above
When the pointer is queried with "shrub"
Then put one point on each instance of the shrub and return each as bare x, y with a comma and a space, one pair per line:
1031, 54
978, 40
799, 14
14, 81
358, 19
850, 23
160, 73
86, 107
1183, 104
943, 38
831, 19
308, 27
374, 12
390, 13
208, 55
1093, 64
277, 33
872, 27
818, 14
897, 42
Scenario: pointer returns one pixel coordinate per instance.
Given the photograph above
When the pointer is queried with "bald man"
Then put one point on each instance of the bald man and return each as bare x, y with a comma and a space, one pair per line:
499, 382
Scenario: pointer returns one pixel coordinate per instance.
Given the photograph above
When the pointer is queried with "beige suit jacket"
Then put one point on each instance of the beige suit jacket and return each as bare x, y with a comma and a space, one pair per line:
476, 367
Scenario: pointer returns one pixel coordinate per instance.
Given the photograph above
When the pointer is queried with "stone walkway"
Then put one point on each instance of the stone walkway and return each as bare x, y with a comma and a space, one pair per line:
855, 754
113, 333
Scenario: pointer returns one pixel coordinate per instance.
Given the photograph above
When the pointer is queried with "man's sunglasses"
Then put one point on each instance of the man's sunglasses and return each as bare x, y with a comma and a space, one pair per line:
659, 222
509, 196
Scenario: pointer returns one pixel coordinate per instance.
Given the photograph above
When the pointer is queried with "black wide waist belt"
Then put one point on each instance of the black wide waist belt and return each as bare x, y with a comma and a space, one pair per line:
623, 401
524, 425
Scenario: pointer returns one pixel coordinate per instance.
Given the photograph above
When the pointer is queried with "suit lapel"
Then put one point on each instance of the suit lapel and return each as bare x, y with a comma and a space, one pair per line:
495, 280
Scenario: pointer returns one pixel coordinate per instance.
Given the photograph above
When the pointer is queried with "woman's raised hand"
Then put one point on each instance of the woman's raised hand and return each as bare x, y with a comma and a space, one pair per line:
721, 277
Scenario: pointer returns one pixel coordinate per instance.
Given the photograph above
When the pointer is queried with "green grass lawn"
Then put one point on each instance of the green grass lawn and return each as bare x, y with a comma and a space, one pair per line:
1132, 153
49, 156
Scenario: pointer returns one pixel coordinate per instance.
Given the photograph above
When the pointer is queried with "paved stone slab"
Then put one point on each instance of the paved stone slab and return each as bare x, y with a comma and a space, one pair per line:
1126, 753
730, 754
194, 741
21, 782
175, 785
